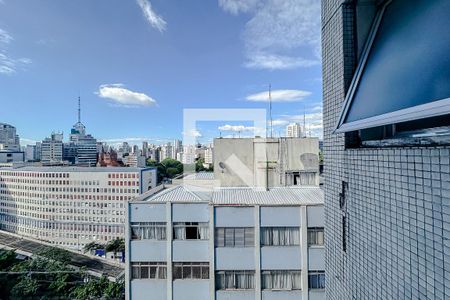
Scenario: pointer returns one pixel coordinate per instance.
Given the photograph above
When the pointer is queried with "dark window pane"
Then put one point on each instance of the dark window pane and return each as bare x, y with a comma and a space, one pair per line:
205, 272
390, 81
196, 272
187, 272
177, 272
144, 272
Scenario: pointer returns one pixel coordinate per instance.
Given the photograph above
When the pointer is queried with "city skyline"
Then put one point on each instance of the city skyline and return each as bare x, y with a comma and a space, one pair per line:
50, 59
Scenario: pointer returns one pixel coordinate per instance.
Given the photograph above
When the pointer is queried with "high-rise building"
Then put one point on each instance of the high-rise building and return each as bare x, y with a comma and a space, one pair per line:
226, 243
166, 151
209, 155
9, 140
189, 155
69, 206
52, 149
294, 130
85, 144
270, 162
31, 153
386, 96
145, 149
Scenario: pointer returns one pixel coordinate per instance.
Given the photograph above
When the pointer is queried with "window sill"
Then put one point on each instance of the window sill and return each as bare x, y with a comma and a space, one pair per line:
316, 247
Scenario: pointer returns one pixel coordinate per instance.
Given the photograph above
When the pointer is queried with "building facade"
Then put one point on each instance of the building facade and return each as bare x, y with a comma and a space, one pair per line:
52, 149
235, 243
386, 149
271, 162
9, 140
69, 206
294, 130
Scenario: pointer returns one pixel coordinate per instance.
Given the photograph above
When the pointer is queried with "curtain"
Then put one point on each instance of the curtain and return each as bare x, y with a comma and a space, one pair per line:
150, 231
280, 236
179, 233
203, 232
281, 280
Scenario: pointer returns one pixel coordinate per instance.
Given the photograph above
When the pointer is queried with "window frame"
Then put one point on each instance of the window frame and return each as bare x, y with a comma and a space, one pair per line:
161, 225
316, 230
263, 228
272, 272
140, 265
417, 112
248, 237
319, 274
223, 274
182, 266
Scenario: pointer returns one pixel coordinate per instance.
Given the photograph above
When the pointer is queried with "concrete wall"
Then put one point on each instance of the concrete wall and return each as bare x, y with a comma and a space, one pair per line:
147, 212
245, 160
234, 216
281, 295
281, 258
280, 216
145, 289
315, 216
187, 289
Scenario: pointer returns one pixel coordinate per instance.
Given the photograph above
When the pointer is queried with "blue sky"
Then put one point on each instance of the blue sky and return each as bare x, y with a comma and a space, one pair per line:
137, 64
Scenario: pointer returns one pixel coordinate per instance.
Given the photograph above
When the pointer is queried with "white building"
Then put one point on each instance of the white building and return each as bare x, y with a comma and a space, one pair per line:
209, 155
52, 149
294, 130
9, 140
189, 155
227, 243
69, 206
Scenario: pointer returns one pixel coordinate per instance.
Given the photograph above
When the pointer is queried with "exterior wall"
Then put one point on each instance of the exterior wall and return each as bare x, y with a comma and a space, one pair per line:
10, 157
245, 160
69, 207
397, 201
142, 289
223, 258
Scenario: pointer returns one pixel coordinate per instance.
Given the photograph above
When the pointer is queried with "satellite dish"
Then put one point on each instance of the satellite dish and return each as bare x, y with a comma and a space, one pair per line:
221, 165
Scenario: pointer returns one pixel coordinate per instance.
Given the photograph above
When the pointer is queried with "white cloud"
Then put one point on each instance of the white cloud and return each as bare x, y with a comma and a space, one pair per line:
236, 128
25, 141
5, 37
235, 7
279, 122
9, 65
278, 31
277, 62
124, 97
192, 133
150, 15
279, 96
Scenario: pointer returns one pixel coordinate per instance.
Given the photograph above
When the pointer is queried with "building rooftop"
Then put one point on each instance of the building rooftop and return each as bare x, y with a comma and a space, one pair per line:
72, 169
237, 196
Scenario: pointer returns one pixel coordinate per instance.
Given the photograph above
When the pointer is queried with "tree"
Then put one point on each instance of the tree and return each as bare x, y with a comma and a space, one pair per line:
168, 168
92, 246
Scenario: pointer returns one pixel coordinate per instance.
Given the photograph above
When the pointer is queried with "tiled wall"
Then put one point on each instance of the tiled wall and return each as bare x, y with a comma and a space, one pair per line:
397, 202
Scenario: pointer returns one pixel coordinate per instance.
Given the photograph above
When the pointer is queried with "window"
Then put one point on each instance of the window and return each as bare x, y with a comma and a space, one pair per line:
281, 280
280, 236
315, 236
148, 231
235, 237
316, 279
190, 231
387, 88
191, 270
235, 280
148, 270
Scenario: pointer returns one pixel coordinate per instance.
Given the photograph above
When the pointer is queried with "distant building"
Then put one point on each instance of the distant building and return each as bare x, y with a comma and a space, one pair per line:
145, 149
108, 159
9, 157
69, 206
226, 243
209, 156
85, 144
188, 155
52, 149
271, 162
294, 130
166, 151
9, 140
31, 153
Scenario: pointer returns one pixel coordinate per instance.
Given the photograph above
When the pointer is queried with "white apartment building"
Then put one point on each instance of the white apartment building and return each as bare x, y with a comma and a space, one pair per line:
190, 242
69, 206
294, 130
188, 156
